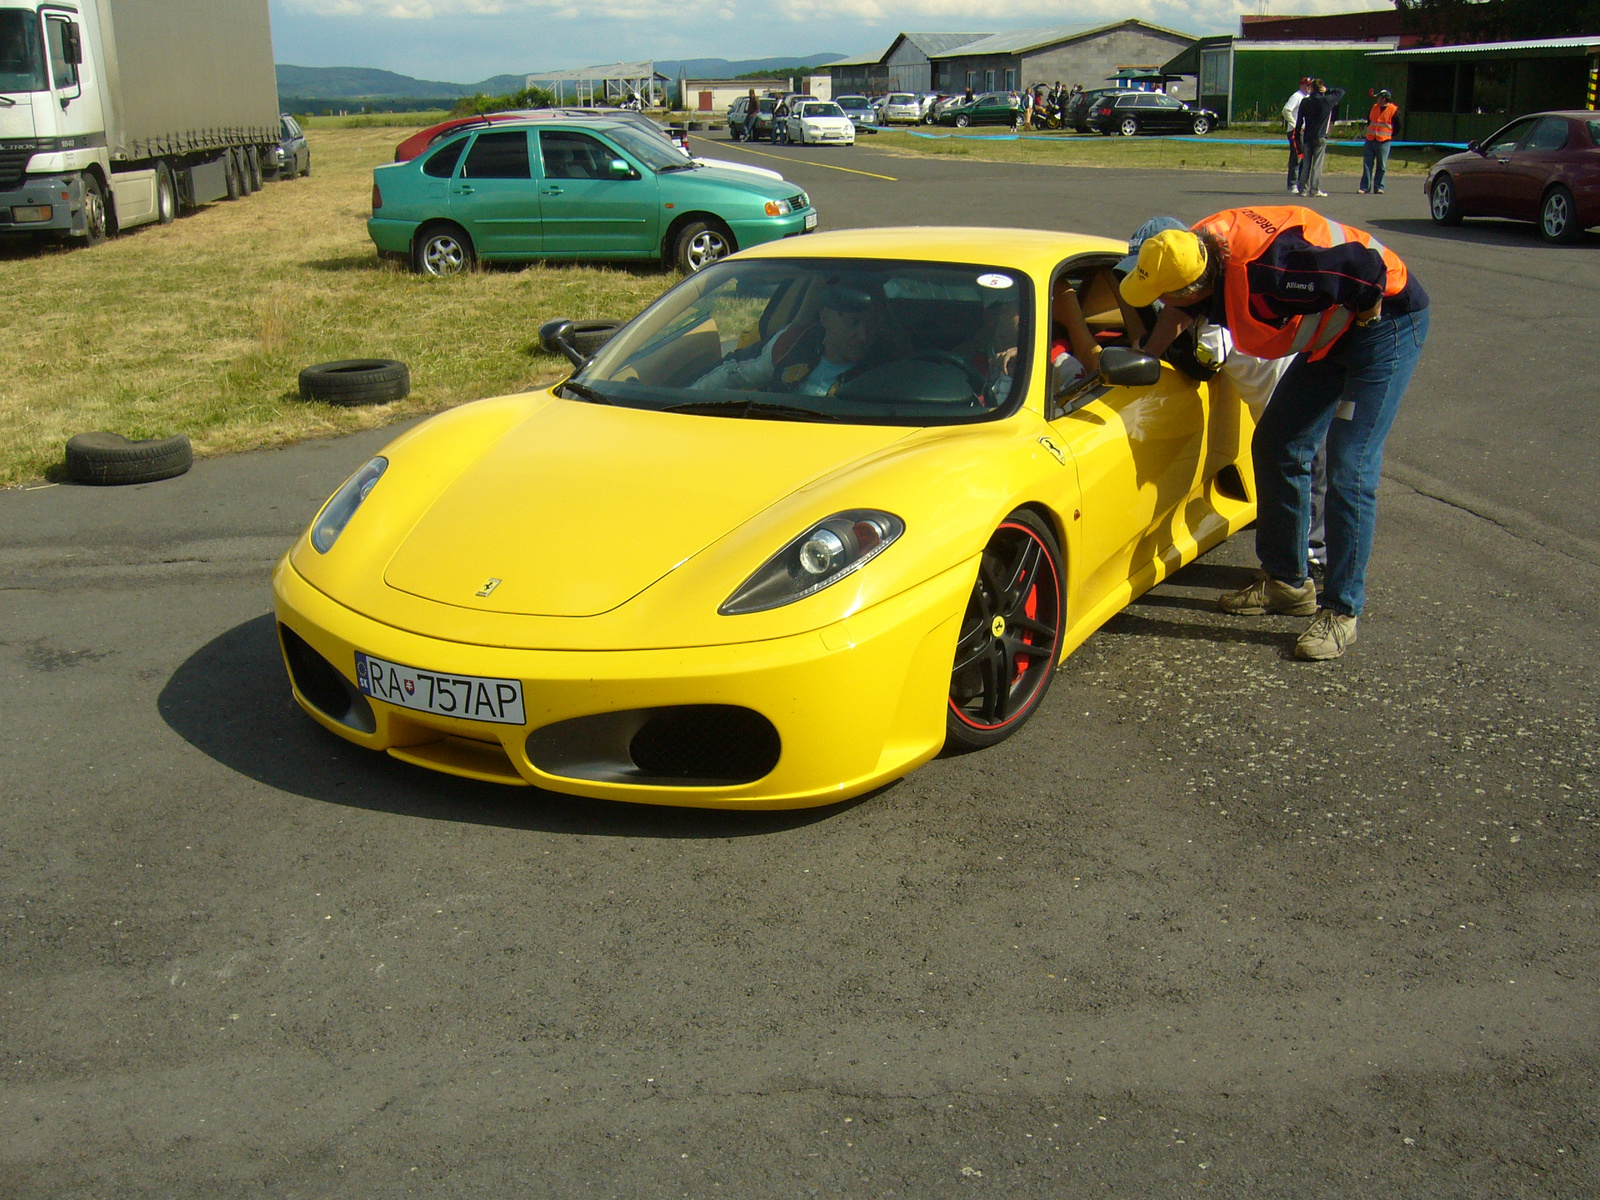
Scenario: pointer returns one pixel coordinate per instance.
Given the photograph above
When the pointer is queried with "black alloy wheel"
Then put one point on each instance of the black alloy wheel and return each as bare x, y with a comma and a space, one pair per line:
1010, 635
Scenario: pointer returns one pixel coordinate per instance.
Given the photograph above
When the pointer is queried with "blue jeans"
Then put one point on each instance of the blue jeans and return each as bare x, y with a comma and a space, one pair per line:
1350, 398
1374, 164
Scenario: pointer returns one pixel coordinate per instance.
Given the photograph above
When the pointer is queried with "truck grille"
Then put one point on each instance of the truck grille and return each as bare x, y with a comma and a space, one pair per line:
12, 165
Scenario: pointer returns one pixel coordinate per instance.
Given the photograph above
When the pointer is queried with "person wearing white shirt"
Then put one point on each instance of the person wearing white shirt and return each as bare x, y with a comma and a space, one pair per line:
1291, 114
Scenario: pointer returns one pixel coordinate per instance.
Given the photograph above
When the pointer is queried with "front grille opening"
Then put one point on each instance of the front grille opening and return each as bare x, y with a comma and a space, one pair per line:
687, 745
1231, 484
329, 692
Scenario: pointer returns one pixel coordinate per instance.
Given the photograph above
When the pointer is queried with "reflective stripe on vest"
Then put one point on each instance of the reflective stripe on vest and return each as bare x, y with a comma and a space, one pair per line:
1247, 232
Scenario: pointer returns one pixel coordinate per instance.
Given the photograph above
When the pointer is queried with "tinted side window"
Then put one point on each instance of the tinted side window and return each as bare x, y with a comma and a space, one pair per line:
64, 73
569, 155
499, 156
1506, 140
443, 163
1549, 134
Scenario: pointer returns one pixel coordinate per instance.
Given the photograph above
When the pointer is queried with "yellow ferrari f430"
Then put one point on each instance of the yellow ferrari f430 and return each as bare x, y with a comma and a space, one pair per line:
821, 510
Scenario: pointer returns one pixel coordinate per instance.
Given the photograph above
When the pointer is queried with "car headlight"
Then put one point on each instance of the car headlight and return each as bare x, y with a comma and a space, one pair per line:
336, 513
779, 208
818, 558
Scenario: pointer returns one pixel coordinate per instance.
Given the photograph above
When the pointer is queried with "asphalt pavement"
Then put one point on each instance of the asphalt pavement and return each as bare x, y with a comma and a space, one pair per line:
1215, 921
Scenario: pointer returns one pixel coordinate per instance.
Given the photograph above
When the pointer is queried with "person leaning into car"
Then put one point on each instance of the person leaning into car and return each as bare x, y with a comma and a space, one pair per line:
1312, 124
1288, 282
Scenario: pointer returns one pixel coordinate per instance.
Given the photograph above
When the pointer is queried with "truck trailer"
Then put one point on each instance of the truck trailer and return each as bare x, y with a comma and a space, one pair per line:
115, 113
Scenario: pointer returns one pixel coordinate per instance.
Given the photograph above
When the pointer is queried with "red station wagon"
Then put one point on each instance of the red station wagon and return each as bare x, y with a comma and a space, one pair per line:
1543, 168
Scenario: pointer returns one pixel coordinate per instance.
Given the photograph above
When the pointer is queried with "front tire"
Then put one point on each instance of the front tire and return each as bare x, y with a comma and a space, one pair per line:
96, 220
1128, 127
1010, 635
1202, 126
1558, 217
1444, 206
442, 251
699, 244
963, 120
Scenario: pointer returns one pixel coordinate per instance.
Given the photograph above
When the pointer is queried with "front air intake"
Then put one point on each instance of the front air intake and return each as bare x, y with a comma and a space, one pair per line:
327, 691
686, 745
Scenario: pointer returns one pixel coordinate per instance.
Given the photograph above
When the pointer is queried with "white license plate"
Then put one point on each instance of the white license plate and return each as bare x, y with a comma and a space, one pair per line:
811, 220
470, 697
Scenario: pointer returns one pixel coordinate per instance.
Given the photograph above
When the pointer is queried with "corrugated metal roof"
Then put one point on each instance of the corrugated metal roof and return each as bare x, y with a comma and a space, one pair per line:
934, 44
1567, 43
1019, 41
862, 60
1373, 45
621, 70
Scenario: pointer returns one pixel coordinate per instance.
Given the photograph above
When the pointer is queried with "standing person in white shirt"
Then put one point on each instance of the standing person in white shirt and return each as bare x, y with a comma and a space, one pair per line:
1291, 114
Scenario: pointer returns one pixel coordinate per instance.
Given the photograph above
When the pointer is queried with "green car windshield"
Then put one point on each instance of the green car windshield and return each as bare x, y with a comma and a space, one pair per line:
860, 341
658, 155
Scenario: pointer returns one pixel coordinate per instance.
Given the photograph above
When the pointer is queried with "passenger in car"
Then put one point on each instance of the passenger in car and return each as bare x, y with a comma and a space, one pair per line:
835, 335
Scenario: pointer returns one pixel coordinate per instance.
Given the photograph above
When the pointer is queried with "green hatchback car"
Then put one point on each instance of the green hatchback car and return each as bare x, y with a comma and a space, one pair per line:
515, 191
991, 108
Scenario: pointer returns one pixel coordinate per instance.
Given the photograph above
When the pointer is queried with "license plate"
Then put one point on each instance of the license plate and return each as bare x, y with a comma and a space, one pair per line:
470, 697
811, 220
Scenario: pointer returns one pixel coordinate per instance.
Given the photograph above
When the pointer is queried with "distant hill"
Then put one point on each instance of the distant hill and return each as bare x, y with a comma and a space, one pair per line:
369, 83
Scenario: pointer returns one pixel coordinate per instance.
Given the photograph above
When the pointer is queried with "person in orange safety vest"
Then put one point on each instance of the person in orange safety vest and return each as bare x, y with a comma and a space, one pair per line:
1380, 133
1286, 281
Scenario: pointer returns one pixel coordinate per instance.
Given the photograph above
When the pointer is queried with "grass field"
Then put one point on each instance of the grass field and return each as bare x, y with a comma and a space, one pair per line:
201, 327
1218, 152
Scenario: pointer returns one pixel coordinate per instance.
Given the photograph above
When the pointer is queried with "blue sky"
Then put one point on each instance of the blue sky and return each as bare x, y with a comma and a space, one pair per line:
463, 41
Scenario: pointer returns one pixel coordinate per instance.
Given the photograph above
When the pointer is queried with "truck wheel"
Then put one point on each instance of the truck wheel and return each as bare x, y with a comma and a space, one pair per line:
95, 221
352, 381
235, 177
108, 458
166, 195
442, 250
252, 158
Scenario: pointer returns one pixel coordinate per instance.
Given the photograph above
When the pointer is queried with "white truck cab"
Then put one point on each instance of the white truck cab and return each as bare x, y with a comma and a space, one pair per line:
115, 113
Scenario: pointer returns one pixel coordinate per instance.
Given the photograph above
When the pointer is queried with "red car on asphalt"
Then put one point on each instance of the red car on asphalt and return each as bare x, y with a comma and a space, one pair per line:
1543, 168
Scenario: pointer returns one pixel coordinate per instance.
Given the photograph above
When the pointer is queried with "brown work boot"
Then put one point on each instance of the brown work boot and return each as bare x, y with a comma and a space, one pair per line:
1269, 595
1328, 636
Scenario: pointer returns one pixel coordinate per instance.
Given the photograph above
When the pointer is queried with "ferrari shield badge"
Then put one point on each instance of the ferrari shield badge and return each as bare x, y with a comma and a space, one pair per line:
488, 587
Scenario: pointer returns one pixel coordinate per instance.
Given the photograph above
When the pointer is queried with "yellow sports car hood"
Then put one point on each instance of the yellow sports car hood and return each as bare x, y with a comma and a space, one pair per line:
581, 507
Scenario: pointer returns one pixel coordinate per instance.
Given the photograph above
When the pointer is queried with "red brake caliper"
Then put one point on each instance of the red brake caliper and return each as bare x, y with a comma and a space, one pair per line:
1031, 608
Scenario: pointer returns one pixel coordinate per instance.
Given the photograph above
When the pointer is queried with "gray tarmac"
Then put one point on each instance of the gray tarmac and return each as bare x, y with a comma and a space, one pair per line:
1216, 921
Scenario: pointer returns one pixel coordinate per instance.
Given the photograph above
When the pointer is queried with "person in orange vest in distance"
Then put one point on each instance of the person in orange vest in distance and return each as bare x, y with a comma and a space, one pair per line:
1380, 132
1286, 281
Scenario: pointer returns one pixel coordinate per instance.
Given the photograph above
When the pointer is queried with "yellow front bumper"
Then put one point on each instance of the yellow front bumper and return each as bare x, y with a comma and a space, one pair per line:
855, 705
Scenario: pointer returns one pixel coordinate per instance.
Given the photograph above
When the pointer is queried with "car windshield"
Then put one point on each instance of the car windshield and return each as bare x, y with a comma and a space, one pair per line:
21, 58
821, 110
658, 154
851, 340
852, 102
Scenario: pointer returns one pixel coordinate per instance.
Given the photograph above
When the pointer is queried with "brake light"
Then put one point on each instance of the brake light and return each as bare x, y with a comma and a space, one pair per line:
377, 197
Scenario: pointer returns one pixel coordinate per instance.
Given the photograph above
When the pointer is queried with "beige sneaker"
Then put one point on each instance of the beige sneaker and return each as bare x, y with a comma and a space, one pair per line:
1328, 636
1268, 595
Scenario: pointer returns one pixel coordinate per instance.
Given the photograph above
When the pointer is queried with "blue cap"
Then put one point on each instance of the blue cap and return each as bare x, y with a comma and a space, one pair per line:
1149, 229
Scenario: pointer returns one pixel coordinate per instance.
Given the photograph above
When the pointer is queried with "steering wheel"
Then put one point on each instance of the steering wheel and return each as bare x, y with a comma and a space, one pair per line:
978, 380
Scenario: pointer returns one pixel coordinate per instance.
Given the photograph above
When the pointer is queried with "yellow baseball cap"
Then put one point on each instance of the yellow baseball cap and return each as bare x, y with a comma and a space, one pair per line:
1168, 262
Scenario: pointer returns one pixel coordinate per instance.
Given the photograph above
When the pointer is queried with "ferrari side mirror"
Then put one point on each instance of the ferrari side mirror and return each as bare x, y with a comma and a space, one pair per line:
1129, 368
553, 337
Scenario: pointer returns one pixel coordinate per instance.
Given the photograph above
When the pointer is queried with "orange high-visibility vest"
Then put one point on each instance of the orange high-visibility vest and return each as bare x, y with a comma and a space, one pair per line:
1380, 122
1247, 232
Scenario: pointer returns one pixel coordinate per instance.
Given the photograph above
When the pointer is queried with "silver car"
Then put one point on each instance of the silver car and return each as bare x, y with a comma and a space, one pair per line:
903, 107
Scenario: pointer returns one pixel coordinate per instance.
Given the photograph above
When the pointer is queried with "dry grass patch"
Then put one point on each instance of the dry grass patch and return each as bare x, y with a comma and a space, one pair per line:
202, 327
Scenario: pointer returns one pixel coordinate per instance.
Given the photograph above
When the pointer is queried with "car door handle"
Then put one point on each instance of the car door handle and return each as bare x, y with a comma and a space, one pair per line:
464, 190
550, 191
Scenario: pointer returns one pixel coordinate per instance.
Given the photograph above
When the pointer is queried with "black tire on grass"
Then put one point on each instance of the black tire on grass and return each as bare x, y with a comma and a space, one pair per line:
586, 337
352, 381
110, 458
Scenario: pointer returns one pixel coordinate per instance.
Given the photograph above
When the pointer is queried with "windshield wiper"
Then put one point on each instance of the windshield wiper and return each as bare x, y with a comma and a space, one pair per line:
583, 392
684, 166
8, 101
750, 408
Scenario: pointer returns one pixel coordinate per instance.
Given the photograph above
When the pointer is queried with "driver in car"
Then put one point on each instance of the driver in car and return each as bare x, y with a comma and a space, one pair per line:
811, 358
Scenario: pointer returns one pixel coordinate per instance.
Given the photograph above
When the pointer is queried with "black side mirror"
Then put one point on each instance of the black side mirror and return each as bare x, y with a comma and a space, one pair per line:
1129, 368
553, 337
1475, 147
